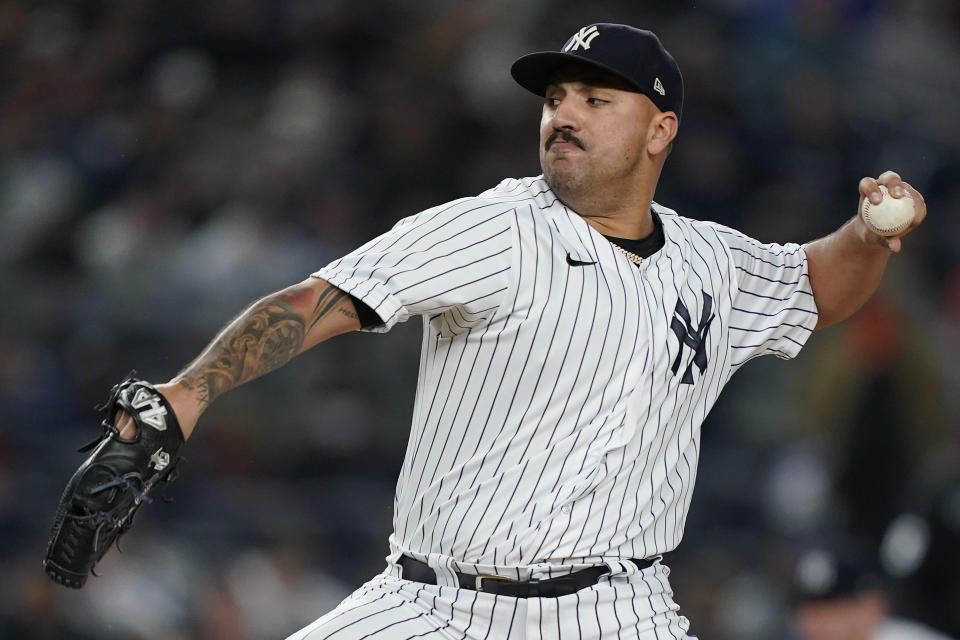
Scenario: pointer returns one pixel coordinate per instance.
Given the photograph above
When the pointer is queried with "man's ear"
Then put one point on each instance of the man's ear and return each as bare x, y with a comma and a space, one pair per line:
663, 129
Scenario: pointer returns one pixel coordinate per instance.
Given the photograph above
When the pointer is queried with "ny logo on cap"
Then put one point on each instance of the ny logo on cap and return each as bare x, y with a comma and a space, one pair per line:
582, 38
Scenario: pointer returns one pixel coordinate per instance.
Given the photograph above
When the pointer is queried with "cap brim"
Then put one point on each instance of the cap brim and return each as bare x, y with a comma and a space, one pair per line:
534, 70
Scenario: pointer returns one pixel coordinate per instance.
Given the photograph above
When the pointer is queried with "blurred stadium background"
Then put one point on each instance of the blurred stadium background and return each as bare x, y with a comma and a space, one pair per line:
163, 162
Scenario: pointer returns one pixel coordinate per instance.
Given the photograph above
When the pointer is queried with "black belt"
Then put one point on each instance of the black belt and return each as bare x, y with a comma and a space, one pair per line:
417, 571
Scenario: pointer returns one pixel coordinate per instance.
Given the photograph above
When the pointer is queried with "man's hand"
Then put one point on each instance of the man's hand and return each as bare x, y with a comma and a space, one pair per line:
869, 188
846, 266
184, 403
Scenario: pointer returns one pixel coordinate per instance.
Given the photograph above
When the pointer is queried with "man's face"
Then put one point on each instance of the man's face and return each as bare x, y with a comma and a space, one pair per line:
593, 131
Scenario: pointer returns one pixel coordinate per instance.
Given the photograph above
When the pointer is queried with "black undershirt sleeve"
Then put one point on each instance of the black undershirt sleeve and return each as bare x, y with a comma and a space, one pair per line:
367, 316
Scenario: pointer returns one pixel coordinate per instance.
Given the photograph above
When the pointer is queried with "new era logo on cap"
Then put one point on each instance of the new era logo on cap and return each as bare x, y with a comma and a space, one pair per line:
633, 55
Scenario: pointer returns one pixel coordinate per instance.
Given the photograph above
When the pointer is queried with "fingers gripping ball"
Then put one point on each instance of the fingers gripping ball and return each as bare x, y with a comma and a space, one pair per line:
101, 498
891, 217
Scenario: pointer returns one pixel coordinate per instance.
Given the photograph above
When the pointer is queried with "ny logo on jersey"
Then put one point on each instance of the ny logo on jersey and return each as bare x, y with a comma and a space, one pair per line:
582, 38
155, 416
691, 336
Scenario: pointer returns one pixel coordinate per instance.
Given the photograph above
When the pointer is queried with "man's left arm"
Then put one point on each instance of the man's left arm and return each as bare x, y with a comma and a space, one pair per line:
846, 266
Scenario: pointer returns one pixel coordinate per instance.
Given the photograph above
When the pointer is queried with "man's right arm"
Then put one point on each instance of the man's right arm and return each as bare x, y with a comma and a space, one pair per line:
267, 335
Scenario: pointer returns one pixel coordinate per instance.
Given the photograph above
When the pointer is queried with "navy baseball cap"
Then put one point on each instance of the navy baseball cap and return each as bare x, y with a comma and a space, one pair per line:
636, 56
832, 570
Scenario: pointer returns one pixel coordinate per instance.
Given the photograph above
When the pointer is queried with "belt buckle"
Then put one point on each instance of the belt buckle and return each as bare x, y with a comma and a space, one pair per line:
478, 581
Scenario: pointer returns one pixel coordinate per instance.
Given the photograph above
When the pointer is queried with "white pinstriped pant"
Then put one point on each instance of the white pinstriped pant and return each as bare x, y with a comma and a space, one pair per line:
630, 603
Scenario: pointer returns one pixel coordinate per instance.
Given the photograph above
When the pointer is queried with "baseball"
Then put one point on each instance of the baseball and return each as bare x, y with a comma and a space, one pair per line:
889, 218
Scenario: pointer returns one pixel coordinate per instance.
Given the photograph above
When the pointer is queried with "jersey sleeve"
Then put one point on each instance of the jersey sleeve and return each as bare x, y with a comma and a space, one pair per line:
456, 256
773, 311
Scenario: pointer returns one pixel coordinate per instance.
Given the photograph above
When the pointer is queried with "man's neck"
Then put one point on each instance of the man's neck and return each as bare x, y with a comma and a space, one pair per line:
628, 217
632, 225
620, 209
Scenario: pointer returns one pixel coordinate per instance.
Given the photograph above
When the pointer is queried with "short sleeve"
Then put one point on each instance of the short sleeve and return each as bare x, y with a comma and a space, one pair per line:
455, 256
773, 308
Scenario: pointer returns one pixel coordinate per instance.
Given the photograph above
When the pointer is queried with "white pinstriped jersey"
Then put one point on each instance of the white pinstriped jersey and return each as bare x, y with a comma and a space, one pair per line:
561, 388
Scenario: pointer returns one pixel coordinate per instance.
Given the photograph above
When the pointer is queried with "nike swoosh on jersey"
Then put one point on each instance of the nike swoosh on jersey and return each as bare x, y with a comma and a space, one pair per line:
573, 262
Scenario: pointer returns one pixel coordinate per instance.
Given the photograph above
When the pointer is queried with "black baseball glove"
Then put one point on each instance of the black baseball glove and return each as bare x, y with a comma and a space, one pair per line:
99, 502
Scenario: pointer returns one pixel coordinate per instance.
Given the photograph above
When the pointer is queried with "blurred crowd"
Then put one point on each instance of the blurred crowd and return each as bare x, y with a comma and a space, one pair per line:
163, 162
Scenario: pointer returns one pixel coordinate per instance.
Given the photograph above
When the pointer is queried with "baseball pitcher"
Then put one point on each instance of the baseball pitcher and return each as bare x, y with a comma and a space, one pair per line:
575, 335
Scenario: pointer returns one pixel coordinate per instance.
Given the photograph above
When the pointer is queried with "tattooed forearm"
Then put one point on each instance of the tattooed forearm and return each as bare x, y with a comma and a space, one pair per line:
265, 337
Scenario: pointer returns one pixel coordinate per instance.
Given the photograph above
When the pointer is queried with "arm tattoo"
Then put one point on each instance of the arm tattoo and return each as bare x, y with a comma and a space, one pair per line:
264, 337
329, 299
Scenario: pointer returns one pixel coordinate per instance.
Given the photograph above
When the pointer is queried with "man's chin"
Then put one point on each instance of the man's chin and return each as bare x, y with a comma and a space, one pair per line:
561, 180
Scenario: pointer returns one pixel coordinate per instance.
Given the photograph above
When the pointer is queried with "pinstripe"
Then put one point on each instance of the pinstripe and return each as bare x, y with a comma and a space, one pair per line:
616, 616
770, 250
758, 295
447, 272
439, 257
762, 344
650, 605
776, 313
773, 280
633, 607
541, 625
392, 624
655, 427
493, 615
416, 234
596, 611
349, 624
665, 588
765, 261
357, 621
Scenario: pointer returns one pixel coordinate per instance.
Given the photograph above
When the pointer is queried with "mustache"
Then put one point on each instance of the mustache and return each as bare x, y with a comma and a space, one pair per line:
564, 135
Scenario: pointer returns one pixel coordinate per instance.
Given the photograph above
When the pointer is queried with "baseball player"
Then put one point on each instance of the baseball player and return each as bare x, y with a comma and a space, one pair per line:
840, 592
575, 335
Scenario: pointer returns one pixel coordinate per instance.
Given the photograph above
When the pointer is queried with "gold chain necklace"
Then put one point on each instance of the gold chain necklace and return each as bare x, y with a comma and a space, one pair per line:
632, 257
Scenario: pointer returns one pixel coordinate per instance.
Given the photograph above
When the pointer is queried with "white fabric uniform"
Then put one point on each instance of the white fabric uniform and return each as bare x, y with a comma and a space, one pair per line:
902, 629
559, 402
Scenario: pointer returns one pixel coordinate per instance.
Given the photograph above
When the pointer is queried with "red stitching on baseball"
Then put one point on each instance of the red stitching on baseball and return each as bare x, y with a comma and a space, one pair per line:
895, 230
